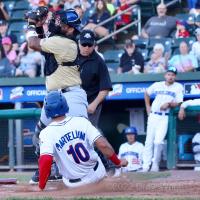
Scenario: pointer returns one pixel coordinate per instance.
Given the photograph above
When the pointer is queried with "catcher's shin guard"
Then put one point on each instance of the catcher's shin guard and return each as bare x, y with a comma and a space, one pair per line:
39, 127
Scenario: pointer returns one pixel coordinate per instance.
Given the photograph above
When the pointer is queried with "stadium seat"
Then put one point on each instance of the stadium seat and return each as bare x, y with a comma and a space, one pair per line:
141, 43
176, 51
112, 67
18, 14
113, 55
17, 26
197, 19
9, 5
144, 53
190, 41
20, 37
166, 42
21, 5
185, 17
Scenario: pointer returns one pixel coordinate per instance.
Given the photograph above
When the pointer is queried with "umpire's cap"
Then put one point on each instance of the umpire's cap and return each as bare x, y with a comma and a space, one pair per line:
55, 104
130, 130
87, 37
172, 69
70, 18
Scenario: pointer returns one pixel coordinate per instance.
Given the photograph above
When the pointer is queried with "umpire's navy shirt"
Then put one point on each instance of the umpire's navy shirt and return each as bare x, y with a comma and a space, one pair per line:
94, 75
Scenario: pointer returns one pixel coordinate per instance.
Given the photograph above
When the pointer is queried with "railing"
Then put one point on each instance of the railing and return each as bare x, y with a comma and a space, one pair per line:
136, 22
173, 2
171, 135
11, 115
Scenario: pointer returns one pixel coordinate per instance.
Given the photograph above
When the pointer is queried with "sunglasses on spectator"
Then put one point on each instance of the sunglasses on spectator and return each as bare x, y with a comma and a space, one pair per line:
87, 45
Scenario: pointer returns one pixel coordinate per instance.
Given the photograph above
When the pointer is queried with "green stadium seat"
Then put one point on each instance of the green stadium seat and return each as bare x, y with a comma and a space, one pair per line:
18, 14
197, 19
144, 53
190, 41
112, 67
22, 5
185, 17
166, 42
141, 43
176, 51
17, 26
20, 37
9, 5
113, 55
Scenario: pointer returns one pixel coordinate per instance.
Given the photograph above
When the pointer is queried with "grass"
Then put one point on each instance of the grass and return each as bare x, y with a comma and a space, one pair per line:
22, 177
109, 198
147, 176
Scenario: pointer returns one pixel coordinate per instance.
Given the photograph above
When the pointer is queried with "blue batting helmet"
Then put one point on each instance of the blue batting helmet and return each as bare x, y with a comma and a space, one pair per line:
71, 18
130, 130
55, 104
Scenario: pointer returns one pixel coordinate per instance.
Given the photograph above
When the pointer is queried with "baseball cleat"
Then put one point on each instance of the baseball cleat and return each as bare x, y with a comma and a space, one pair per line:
35, 178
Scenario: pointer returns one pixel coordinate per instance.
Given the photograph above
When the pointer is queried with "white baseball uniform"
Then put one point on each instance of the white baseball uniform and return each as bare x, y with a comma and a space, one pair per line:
133, 154
196, 150
157, 123
194, 102
71, 143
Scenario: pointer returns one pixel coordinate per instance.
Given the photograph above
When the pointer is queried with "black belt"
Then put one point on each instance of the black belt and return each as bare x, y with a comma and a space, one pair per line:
79, 179
67, 89
160, 113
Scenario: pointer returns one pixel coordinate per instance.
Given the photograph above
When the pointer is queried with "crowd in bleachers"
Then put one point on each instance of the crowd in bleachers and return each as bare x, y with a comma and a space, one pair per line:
165, 40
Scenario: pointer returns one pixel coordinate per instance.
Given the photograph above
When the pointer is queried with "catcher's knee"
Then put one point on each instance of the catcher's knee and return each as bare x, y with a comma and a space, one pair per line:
39, 127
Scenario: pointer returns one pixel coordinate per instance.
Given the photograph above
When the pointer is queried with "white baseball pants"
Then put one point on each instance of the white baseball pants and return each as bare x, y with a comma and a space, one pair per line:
157, 126
91, 177
77, 102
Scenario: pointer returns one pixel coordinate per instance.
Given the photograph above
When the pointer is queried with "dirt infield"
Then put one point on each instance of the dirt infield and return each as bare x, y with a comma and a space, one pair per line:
164, 184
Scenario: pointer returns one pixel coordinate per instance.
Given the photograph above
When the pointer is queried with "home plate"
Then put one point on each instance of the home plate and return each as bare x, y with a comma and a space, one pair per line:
8, 181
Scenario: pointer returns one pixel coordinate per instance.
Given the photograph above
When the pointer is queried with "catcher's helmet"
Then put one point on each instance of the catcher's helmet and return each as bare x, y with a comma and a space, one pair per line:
70, 17
55, 105
130, 130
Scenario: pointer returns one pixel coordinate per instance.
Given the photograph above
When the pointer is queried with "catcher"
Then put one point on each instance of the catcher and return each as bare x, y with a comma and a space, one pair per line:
61, 68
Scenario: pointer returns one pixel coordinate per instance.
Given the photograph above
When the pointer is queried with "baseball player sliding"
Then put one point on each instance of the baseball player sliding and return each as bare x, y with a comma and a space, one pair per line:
70, 141
168, 94
131, 151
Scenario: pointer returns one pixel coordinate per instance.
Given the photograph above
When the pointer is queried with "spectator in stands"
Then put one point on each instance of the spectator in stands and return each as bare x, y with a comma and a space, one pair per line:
196, 11
191, 3
181, 29
196, 46
124, 18
99, 16
71, 4
85, 4
3, 12
184, 62
55, 6
9, 51
157, 62
3, 33
6, 68
131, 60
80, 12
159, 26
29, 60
110, 6
36, 3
